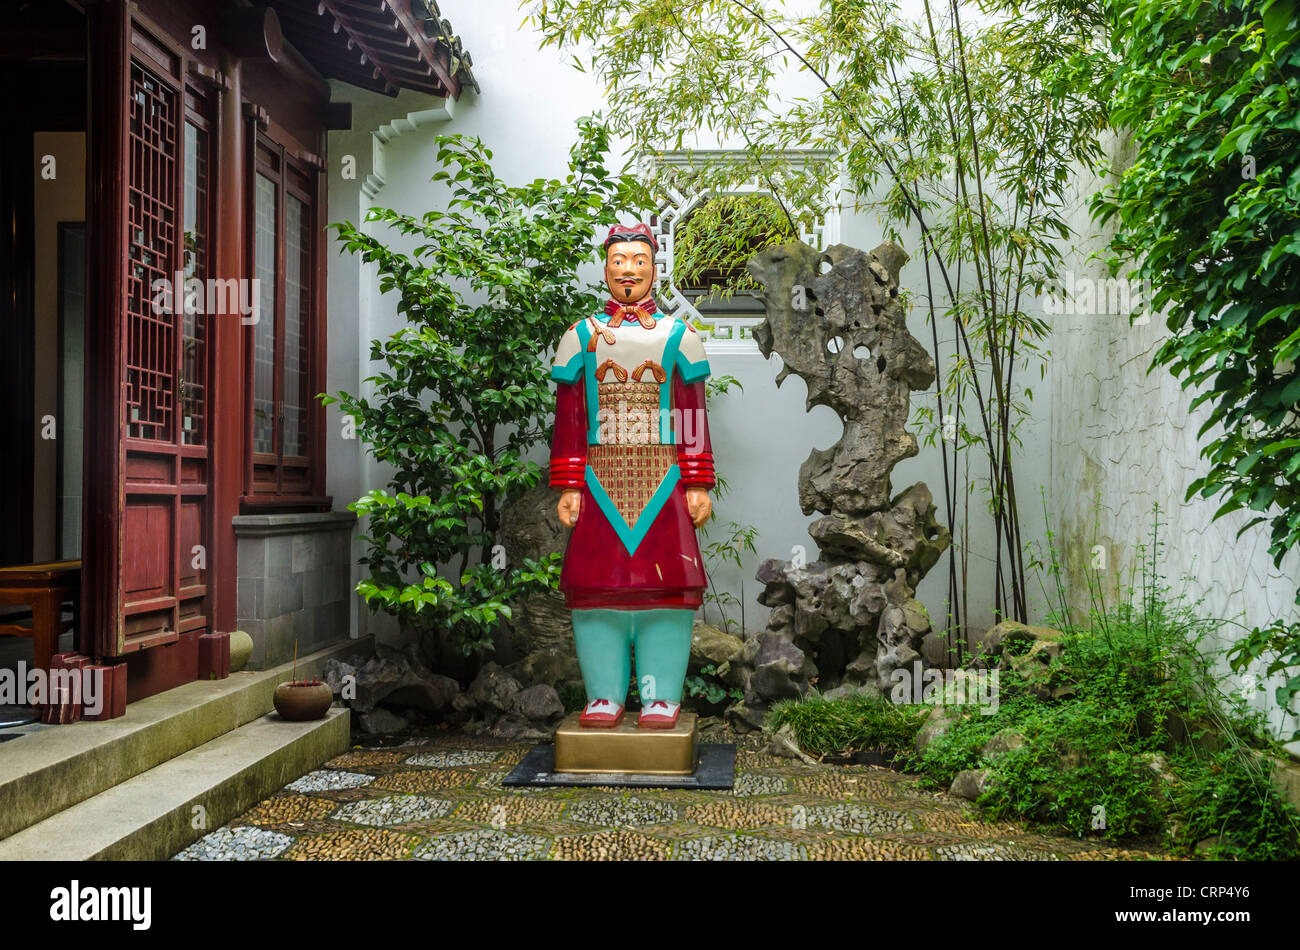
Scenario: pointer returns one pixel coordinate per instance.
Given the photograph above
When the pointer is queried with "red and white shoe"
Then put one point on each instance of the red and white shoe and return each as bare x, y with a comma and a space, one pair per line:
601, 714
659, 715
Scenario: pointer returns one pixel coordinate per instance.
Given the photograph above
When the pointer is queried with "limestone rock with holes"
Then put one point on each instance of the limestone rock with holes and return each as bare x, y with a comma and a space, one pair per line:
851, 617
1013, 637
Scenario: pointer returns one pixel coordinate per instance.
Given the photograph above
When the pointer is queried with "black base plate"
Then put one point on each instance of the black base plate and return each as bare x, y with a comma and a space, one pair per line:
716, 769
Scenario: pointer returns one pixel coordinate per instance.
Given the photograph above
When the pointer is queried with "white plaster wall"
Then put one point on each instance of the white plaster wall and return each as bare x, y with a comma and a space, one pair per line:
1123, 440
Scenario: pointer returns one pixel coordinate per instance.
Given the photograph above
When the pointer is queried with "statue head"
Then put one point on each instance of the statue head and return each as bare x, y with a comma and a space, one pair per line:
630, 262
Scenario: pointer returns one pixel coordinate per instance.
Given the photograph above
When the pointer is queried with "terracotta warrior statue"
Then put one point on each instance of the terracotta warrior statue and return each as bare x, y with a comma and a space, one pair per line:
632, 461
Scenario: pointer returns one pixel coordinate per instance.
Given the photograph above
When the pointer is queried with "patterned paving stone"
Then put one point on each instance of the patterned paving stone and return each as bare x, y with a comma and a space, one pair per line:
964, 823
441, 798
859, 819
621, 812
990, 851
740, 848
286, 808
482, 845
611, 846
325, 780
830, 785
500, 812
423, 781
866, 849
746, 815
752, 785
452, 760
493, 780
370, 844
361, 758
236, 844
393, 810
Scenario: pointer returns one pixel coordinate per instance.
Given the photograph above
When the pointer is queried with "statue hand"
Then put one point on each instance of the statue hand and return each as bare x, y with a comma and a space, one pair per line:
568, 507
699, 504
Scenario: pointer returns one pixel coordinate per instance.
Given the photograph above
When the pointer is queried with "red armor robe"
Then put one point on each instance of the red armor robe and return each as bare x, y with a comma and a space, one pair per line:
651, 560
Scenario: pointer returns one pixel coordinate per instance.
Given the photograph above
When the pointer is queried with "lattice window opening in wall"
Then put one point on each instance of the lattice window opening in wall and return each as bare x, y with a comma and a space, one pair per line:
727, 324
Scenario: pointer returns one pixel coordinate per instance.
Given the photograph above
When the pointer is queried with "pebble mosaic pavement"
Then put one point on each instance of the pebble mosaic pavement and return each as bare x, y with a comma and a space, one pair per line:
442, 799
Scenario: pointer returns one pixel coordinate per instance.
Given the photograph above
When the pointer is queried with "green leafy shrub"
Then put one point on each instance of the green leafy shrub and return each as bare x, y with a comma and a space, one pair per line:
1209, 211
488, 290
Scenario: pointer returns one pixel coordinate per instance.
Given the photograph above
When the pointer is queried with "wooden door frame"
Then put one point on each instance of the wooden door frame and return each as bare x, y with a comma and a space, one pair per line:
112, 27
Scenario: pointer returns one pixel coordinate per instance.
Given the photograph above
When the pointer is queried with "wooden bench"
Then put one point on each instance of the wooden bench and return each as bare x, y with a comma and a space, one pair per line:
43, 589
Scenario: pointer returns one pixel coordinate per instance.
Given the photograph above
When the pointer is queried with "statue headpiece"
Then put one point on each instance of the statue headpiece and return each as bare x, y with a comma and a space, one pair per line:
639, 232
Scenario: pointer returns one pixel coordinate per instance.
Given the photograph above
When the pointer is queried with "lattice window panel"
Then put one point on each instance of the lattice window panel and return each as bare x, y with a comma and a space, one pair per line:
264, 331
194, 337
722, 333
297, 313
151, 217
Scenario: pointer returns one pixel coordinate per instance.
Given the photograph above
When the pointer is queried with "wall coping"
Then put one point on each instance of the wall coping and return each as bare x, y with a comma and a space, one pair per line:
305, 522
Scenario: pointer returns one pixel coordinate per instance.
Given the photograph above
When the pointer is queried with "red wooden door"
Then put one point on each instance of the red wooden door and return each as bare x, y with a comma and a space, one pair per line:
148, 571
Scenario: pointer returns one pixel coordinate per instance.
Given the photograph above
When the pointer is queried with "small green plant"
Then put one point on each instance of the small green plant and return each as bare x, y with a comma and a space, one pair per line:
850, 724
1228, 799
706, 686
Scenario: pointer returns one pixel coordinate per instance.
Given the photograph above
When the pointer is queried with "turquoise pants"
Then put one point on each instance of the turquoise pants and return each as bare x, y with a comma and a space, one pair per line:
604, 639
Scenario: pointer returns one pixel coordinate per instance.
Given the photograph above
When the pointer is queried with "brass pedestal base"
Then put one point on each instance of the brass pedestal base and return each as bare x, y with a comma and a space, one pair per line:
626, 749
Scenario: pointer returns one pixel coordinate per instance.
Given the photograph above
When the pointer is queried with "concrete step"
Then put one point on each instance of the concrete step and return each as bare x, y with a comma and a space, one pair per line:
155, 814
47, 769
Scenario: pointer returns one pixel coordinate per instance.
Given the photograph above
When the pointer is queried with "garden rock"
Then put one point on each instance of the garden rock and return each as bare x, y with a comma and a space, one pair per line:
711, 646
546, 667
540, 704
394, 679
530, 529
381, 722
1007, 740
971, 783
492, 693
852, 615
336, 674
1161, 773
938, 720
1020, 638
853, 690
744, 719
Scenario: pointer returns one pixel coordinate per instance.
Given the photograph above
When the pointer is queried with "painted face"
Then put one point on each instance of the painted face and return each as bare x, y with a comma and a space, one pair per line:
629, 270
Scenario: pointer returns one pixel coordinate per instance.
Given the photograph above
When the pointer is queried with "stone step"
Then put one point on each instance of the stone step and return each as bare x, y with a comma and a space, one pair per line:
155, 814
47, 769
